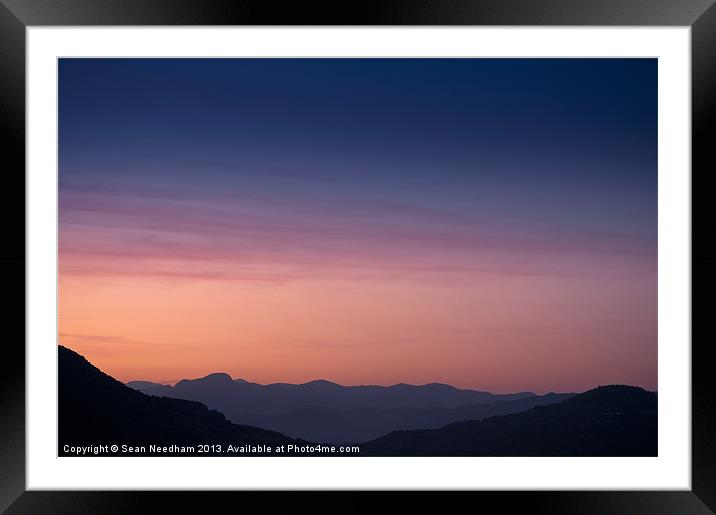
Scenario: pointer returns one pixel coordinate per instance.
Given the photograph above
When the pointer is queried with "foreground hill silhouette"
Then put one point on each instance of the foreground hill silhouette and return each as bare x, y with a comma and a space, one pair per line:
95, 409
606, 421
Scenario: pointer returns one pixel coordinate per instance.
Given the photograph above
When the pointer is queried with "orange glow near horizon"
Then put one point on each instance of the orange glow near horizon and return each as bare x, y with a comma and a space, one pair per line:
498, 333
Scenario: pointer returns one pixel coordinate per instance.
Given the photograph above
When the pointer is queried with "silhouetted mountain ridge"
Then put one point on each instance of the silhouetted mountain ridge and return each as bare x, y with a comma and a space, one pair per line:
96, 409
327, 412
217, 378
615, 420
144, 385
238, 398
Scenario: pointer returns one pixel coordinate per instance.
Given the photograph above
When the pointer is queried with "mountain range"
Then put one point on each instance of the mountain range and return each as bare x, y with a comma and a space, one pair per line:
238, 396
326, 412
616, 420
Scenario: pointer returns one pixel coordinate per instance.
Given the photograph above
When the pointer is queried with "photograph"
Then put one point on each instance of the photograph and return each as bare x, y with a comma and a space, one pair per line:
357, 257
401, 247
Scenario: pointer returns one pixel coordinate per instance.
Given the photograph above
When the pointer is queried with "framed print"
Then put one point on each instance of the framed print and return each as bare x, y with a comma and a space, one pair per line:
410, 248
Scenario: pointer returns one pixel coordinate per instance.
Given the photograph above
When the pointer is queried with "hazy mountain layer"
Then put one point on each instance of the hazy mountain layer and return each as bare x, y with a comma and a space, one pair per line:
235, 398
323, 411
321, 424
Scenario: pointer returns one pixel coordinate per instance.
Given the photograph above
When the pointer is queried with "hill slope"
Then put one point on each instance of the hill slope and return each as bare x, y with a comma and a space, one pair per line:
605, 421
96, 409
325, 424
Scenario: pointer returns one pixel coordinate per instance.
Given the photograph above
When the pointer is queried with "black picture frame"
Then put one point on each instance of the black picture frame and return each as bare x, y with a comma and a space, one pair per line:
17, 15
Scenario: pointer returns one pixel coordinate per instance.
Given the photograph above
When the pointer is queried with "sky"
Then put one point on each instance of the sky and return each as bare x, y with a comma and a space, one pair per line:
486, 223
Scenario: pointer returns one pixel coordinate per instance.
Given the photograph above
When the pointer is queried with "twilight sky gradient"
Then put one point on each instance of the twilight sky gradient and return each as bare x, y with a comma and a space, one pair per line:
488, 223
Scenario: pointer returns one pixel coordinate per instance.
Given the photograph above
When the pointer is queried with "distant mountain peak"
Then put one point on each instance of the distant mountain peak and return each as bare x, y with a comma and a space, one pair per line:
143, 385
439, 385
216, 378
321, 382
615, 396
622, 390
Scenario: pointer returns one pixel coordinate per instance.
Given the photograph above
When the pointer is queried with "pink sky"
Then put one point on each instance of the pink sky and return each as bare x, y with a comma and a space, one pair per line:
165, 301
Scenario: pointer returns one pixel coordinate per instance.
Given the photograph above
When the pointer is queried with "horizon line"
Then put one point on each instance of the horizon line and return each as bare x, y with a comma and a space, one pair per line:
173, 383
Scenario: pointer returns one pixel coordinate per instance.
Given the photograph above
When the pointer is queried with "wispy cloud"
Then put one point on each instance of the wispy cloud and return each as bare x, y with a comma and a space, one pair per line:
255, 241
102, 339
